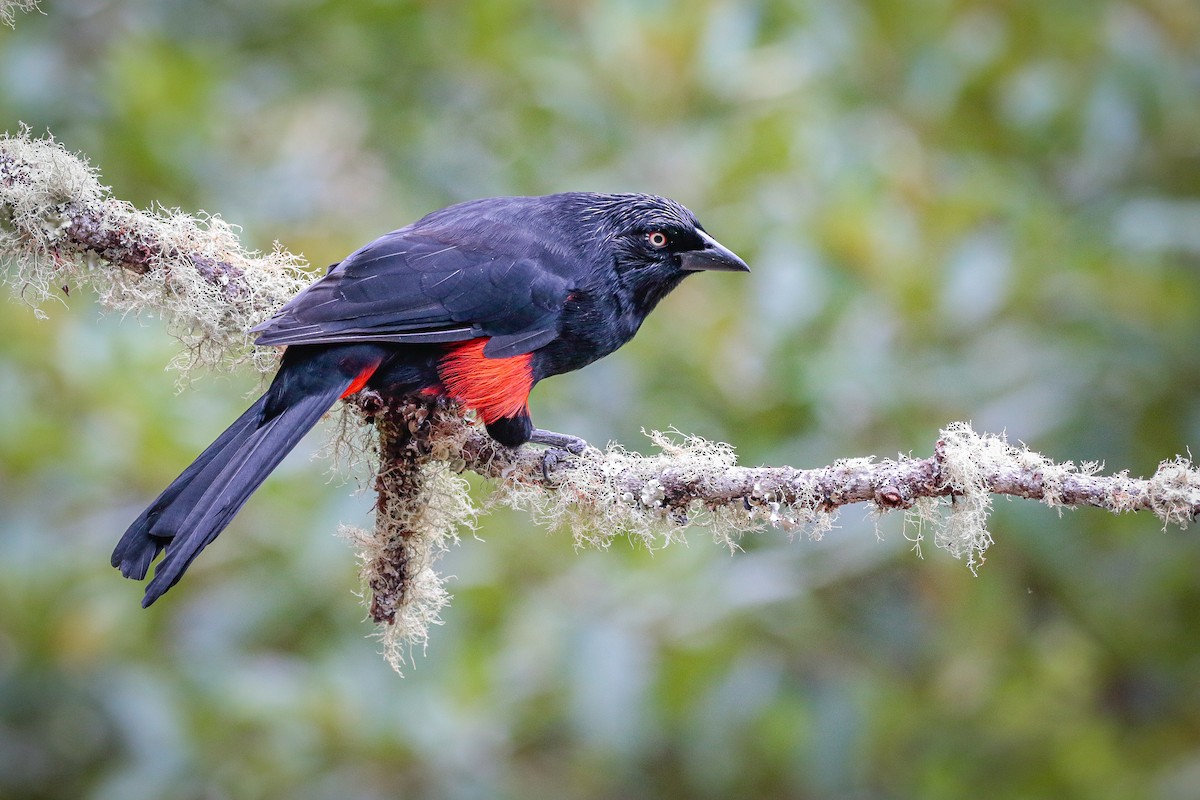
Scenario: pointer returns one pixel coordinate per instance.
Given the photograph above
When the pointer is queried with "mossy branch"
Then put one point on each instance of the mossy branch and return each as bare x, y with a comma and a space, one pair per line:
694, 479
59, 227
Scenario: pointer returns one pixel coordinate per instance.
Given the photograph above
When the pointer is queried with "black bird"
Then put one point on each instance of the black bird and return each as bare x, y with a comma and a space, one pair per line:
476, 302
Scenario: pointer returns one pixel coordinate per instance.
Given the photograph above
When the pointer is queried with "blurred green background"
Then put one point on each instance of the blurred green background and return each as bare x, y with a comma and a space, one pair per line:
954, 210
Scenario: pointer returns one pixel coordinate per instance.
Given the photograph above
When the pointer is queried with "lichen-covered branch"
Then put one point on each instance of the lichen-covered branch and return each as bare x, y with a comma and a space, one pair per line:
694, 478
421, 505
1172, 494
59, 227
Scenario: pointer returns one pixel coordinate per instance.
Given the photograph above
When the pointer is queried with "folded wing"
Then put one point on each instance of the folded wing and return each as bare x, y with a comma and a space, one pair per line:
410, 288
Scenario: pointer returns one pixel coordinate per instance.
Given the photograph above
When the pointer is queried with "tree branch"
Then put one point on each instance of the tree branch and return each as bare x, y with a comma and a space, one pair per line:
888, 485
58, 226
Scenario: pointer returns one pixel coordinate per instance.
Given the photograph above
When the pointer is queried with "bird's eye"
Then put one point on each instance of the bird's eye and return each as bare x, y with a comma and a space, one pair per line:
657, 239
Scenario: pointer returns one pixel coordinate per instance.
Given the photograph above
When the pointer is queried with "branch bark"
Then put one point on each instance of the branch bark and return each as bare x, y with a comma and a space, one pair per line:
888, 485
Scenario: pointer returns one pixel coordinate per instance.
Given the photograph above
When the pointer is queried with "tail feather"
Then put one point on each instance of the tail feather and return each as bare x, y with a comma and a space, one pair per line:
224, 486
196, 507
138, 547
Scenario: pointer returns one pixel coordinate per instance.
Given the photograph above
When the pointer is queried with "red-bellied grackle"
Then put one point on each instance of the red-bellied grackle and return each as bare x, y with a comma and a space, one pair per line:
476, 302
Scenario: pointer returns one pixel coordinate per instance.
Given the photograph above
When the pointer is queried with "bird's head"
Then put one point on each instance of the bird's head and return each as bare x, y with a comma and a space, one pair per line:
655, 234
653, 242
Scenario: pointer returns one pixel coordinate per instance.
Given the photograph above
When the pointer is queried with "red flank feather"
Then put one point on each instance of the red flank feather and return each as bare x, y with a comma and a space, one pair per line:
497, 388
361, 380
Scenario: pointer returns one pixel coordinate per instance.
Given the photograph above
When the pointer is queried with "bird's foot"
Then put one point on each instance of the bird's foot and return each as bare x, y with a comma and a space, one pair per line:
560, 447
561, 441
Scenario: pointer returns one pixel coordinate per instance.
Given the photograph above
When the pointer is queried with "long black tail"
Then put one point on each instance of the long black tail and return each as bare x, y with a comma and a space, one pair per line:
197, 506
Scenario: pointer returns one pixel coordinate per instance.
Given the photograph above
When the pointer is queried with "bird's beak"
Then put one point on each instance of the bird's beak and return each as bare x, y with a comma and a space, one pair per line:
714, 256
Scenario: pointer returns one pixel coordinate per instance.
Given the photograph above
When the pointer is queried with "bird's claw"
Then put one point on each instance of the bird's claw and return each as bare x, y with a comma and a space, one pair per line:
560, 447
551, 458
561, 441
575, 446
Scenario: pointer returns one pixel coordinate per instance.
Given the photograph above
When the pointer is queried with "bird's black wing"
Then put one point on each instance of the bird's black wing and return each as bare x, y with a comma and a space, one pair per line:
411, 288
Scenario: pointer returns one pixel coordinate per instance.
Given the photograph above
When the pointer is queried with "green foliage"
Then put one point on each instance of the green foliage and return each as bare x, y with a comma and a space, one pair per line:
953, 210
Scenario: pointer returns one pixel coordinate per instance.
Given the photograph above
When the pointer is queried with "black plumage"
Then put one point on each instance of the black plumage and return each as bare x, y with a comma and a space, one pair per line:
478, 302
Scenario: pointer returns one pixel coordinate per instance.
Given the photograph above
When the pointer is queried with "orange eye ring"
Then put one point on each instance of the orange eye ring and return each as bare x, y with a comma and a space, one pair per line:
657, 239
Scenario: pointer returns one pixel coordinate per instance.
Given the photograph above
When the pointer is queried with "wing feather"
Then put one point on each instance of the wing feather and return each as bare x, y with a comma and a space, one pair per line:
411, 288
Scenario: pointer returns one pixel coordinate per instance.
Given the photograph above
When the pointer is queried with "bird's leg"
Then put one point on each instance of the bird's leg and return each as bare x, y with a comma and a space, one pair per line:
559, 441
559, 447
516, 431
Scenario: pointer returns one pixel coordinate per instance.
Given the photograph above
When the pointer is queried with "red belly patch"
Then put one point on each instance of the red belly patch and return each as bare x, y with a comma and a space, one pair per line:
496, 388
